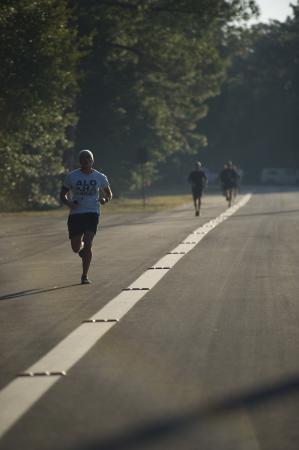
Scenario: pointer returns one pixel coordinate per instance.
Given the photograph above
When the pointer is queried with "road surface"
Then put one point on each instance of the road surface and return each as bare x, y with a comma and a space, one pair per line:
207, 358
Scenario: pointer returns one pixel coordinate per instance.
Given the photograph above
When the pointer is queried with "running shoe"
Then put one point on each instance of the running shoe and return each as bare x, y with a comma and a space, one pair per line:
85, 280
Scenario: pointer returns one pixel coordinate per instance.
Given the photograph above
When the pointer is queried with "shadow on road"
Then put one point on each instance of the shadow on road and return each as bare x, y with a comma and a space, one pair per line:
162, 427
35, 291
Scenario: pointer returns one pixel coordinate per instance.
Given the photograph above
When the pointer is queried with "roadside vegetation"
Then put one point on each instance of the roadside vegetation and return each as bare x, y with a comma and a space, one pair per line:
122, 205
148, 86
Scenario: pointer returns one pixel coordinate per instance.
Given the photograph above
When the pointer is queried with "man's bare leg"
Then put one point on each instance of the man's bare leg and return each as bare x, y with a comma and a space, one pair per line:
195, 205
87, 253
76, 243
199, 205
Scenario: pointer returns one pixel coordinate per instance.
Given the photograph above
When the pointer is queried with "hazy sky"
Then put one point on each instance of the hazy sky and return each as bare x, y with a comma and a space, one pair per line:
275, 9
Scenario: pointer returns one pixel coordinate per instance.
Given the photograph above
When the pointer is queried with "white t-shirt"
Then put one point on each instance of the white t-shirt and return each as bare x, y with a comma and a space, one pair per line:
84, 188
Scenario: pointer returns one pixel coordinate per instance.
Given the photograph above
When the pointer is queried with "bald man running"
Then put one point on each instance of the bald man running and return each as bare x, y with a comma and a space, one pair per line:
81, 194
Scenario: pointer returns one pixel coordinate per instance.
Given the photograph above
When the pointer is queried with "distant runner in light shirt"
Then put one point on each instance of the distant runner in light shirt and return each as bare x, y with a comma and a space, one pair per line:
81, 194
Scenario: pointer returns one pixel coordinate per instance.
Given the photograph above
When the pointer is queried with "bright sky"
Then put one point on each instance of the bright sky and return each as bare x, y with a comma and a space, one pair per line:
275, 9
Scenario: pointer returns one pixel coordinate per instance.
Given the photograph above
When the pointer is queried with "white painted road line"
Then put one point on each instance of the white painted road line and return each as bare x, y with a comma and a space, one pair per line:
19, 395
168, 261
148, 279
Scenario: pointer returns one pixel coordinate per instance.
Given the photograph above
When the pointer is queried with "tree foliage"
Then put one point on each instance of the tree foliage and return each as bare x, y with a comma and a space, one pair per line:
150, 69
254, 121
38, 79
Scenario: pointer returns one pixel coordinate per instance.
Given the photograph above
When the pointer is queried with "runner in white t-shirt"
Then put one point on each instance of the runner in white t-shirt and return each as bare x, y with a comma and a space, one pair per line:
81, 193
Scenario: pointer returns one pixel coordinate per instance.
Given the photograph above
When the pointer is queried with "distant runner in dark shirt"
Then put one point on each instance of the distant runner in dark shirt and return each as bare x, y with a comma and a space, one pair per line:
229, 179
198, 180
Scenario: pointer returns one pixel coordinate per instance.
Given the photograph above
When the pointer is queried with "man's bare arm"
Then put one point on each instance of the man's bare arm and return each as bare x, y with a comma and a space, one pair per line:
108, 195
64, 198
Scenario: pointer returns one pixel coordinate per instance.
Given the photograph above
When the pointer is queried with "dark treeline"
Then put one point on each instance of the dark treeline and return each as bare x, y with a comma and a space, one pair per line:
158, 82
255, 119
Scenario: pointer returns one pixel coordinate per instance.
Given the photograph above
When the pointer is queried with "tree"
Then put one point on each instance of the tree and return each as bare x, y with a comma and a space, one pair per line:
39, 83
254, 119
153, 66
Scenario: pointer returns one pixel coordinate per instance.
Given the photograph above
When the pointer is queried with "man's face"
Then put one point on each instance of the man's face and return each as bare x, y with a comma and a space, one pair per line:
86, 161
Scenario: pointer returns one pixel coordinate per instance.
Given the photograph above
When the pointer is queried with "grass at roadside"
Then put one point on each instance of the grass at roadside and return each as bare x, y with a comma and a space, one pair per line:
152, 204
121, 205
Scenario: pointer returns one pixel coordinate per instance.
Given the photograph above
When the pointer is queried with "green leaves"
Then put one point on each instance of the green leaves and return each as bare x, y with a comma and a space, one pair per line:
254, 119
153, 66
39, 82
132, 74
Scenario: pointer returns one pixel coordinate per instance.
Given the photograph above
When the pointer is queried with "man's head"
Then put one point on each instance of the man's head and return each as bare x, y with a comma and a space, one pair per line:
198, 165
86, 159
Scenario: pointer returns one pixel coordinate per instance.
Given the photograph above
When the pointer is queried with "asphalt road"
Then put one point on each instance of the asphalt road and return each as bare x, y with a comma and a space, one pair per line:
206, 360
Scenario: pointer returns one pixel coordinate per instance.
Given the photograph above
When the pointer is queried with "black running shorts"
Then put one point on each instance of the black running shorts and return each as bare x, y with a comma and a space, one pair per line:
79, 223
197, 192
229, 185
